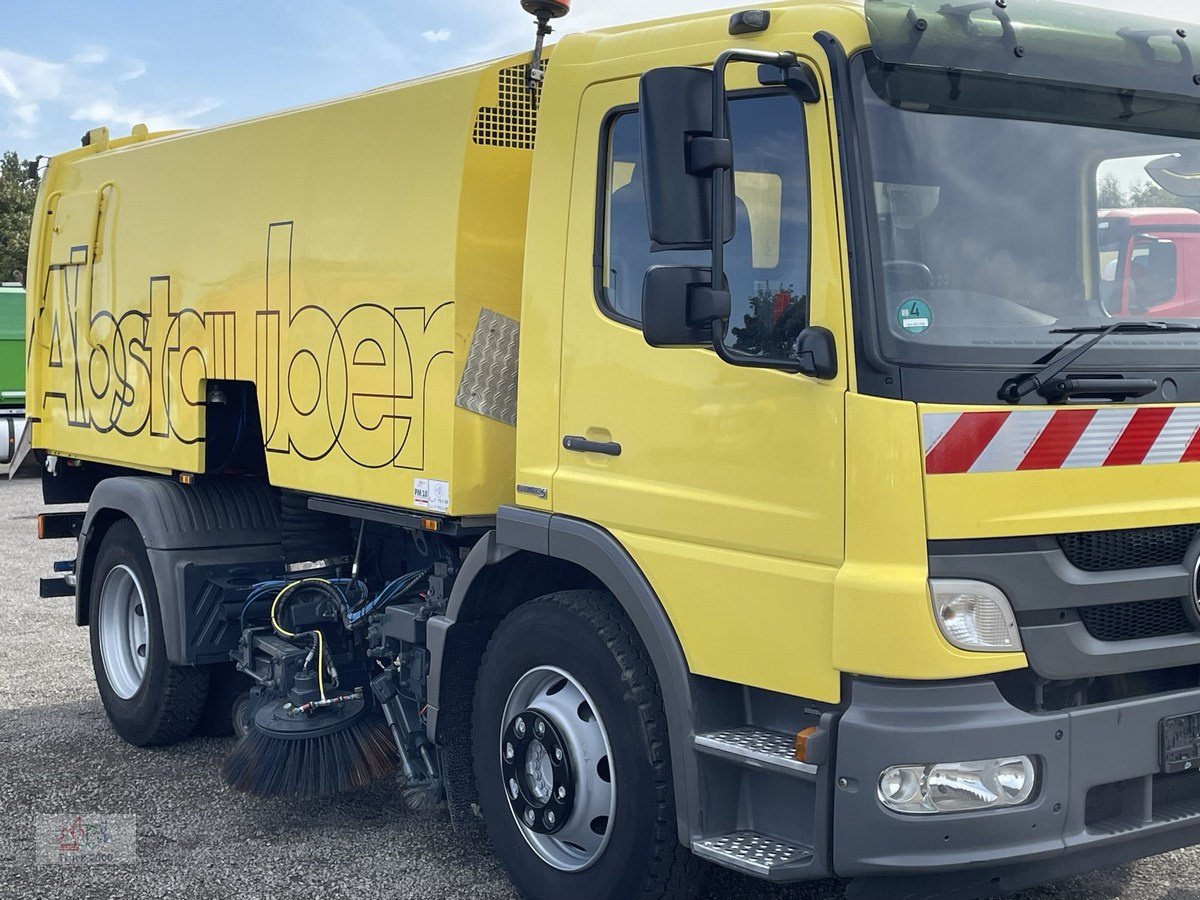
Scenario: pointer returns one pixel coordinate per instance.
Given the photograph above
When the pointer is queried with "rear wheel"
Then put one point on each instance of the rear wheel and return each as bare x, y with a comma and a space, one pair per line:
571, 755
148, 700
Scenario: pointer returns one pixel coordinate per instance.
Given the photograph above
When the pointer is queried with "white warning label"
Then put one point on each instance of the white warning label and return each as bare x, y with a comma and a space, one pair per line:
439, 496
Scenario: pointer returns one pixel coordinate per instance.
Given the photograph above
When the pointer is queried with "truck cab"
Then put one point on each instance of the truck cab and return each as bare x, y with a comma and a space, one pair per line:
976, 588
1156, 253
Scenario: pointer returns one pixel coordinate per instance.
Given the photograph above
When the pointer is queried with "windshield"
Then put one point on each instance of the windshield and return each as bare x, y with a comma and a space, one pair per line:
1001, 211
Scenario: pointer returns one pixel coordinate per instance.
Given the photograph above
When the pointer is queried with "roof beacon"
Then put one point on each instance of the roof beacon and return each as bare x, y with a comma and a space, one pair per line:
544, 10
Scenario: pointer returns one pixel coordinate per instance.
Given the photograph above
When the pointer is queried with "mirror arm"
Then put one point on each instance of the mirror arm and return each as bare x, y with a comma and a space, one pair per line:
791, 366
720, 137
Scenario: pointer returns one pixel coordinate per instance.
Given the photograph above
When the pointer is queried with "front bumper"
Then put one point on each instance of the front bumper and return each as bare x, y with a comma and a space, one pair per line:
1101, 798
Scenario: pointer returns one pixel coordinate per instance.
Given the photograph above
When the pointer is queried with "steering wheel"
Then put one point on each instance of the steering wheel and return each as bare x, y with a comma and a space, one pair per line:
907, 275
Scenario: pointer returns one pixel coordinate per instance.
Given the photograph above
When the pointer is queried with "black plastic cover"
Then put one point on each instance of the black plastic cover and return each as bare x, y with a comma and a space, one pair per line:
669, 296
676, 106
1044, 39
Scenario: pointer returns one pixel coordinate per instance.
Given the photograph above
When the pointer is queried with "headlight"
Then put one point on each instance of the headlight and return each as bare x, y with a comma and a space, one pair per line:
958, 787
974, 616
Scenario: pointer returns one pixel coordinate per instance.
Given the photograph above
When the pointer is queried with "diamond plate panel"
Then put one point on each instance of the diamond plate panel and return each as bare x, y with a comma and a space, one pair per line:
755, 746
489, 382
750, 851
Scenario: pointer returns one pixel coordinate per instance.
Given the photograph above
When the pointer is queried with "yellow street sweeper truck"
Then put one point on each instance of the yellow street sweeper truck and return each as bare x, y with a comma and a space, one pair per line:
746, 437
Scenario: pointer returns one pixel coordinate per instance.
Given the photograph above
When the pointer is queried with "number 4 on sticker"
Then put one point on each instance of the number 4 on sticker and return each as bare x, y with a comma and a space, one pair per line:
915, 316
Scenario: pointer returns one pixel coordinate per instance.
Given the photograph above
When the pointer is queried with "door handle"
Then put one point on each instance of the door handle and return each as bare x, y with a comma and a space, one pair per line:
582, 445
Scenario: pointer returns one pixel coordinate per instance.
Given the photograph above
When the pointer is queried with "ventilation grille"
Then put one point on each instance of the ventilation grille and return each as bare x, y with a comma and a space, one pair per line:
1131, 621
512, 122
1136, 548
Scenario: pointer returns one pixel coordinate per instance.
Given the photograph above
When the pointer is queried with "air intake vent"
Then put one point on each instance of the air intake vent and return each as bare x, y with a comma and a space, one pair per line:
1135, 548
512, 122
1131, 621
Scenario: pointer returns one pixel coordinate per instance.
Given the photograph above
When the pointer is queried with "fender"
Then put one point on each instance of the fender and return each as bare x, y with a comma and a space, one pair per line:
226, 523
596, 550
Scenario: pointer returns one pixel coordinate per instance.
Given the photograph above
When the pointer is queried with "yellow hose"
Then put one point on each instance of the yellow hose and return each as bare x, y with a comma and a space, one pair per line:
287, 634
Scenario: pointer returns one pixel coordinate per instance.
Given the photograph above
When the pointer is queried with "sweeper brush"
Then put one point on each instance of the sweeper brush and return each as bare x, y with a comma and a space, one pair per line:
285, 753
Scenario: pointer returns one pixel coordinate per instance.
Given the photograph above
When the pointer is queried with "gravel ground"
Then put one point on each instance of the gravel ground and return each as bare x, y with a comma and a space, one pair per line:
197, 838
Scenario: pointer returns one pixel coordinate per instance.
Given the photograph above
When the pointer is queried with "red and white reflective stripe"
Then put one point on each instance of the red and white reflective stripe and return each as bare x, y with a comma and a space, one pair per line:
1043, 438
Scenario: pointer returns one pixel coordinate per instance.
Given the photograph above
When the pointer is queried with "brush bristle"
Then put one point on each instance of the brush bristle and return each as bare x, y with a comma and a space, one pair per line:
343, 761
418, 798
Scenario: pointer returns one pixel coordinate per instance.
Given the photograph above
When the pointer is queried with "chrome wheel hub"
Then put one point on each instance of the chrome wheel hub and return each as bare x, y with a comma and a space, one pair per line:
124, 632
556, 764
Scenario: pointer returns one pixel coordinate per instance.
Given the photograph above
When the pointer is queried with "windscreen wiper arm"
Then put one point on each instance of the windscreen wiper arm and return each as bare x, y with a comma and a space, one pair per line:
1016, 389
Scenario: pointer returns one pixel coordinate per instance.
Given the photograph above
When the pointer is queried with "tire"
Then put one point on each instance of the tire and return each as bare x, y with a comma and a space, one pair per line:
162, 704
584, 636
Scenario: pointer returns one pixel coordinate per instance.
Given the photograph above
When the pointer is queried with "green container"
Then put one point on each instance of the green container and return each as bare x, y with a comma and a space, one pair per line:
12, 346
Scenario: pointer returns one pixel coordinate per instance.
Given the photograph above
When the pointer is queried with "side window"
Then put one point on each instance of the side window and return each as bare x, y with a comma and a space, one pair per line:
767, 263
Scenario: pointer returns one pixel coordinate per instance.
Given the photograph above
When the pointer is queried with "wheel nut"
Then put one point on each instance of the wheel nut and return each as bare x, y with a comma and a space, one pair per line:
550, 817
539, 727
558, 754
530, 817
562, 793
509, 752
513, 788
519, 728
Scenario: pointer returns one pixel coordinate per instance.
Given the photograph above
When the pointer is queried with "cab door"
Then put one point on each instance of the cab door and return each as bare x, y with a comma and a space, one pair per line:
724, 483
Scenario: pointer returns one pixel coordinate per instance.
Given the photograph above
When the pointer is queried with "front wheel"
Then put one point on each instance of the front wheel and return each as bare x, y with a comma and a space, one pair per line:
571, 754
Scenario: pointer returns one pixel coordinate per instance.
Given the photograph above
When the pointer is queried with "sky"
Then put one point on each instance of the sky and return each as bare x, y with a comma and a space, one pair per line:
78, 64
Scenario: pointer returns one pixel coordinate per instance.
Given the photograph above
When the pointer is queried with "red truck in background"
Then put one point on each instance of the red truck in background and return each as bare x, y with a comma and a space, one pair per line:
1150, 262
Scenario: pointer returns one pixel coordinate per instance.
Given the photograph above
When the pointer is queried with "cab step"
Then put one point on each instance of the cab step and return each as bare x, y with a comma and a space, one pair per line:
755, 747
64, 586
755, 854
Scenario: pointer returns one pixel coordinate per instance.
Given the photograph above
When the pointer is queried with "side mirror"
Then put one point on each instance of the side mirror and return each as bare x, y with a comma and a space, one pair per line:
680, 156
1177, 174
816, 353
679, 306
687, 171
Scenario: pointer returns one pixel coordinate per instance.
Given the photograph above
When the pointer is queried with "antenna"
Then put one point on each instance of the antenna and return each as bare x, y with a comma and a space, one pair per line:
543, 11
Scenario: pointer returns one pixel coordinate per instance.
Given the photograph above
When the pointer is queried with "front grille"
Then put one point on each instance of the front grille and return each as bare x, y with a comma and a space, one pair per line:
1130, 621
1133, 548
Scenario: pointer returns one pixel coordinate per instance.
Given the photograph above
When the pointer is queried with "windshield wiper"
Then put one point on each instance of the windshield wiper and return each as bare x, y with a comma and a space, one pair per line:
1119, 388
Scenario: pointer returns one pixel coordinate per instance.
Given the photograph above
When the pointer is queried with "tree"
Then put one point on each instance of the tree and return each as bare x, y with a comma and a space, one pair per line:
1110, 195
18, 192
774, 322
1147, 196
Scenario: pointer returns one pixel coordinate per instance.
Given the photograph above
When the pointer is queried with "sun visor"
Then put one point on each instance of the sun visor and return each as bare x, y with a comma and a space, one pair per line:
1042, 39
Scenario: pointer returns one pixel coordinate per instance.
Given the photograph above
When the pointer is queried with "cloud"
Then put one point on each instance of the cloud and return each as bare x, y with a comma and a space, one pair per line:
8, 87
39, 96
27, 115
112, 113
136, 70
28, 79
348, 34
91, 55
437, 37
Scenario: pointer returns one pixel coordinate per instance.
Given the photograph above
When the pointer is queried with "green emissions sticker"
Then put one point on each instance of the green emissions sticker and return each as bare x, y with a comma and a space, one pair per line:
915, 316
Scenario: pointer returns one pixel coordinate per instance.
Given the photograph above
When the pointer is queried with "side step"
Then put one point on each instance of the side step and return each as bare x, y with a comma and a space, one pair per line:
756, 854
755, 747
